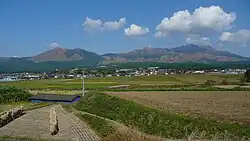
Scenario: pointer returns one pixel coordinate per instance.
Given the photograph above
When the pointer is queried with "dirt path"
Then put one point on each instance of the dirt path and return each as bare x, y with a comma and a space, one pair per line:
35, 124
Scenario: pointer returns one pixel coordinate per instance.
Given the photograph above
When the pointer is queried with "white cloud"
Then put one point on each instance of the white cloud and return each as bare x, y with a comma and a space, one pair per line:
135, 30
241, 36
108, 25
203, 18
197, 40
92, 24
54, 45
213, 17
180, 21
114, 25
160, 34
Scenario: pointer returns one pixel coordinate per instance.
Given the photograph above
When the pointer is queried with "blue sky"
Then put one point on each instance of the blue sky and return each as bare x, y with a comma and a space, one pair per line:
29, 27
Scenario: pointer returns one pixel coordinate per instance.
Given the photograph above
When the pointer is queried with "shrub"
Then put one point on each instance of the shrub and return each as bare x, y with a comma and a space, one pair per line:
243, 80
247, 75
12, 94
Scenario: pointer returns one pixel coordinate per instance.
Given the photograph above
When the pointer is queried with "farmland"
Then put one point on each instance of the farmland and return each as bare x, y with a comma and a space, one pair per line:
143, 82
167, 106
157, 122
224, 106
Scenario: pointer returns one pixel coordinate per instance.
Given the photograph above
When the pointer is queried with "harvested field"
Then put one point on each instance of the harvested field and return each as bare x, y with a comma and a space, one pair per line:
224, 106
35, 124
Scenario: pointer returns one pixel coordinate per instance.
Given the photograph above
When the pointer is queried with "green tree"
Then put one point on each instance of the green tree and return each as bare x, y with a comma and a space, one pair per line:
247, 75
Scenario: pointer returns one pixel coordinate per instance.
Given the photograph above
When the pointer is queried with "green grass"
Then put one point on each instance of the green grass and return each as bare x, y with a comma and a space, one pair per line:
135, 81
156, 122
100, 125
68, 108
201, 79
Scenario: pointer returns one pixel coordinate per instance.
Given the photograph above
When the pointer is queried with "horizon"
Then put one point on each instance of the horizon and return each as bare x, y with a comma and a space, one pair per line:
32, 27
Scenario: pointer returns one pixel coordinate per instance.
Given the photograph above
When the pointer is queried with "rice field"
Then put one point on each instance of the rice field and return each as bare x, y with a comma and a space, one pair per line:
138, 81
226, 106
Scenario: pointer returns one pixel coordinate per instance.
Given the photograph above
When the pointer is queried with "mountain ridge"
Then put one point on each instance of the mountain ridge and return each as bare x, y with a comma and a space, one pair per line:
64, 54
182, 53
69, 58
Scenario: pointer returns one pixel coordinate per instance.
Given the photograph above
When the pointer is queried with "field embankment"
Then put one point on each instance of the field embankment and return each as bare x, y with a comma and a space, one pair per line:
156, 122
100, 125
110, 130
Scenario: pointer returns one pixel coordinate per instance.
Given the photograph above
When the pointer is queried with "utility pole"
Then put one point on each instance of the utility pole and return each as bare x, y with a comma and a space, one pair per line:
83, 85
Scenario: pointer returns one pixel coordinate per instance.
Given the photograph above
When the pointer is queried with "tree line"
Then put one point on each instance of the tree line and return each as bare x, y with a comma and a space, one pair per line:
247, 76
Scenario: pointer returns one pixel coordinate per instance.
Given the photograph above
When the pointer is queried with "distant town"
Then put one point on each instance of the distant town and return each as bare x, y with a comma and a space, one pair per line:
102, 72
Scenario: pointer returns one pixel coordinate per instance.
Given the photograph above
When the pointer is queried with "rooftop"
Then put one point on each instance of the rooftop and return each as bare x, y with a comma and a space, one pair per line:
54, 97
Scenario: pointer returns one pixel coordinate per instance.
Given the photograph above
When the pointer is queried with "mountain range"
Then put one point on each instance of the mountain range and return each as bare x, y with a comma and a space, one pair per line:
183, 53
70, 58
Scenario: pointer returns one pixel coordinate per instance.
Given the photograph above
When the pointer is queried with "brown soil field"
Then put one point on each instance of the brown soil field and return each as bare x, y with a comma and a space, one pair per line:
225, 106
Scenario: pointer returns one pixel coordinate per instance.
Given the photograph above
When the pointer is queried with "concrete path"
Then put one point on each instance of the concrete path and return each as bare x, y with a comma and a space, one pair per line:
35, 124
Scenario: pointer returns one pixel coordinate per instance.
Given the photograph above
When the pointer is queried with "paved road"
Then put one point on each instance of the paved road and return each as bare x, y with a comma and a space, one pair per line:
35, 124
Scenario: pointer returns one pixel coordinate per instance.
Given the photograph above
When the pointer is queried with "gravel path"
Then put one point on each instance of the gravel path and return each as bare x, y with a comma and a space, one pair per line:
35, 124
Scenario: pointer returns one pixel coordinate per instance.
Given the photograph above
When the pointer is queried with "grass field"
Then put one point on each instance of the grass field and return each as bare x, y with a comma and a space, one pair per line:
135, 81
224, 105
